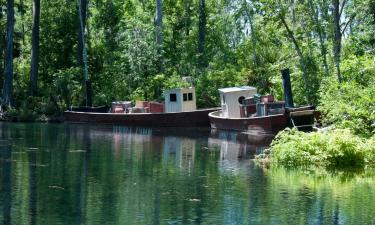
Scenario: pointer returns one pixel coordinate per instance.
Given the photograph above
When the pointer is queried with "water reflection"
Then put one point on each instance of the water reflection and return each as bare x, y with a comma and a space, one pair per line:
234, 146
181, 151
237, 148
32, 161
76, 174
6, 158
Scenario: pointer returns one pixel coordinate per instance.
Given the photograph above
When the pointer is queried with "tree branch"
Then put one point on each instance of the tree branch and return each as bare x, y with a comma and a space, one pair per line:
347, 23
342, 7
291, 36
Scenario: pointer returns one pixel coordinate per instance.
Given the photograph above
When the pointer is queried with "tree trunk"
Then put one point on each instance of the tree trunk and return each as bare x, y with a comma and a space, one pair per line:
202, 32
293, 9
322, 36
159, 35
82, 50
35, 48
81, 31
22, 12
159, 23
337, 37
2, 47
8, 67
249, 14
187, 5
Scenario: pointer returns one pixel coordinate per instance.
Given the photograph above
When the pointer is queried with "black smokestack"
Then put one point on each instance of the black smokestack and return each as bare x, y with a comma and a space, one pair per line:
287, 87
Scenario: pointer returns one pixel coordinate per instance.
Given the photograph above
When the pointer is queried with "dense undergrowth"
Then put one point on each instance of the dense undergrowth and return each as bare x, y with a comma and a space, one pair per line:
331, 149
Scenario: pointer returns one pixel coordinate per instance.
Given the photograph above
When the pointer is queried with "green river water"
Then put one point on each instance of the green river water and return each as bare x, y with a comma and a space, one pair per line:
80, 174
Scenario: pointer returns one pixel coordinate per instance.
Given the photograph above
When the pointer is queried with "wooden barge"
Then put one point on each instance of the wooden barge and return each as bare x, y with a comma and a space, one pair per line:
196, 118
178, 110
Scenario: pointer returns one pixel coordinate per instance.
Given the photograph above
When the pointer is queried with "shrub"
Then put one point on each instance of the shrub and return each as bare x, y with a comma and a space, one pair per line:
331, 149
370, 151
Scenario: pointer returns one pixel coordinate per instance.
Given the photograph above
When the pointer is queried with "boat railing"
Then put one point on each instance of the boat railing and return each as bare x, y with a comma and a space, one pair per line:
216, 113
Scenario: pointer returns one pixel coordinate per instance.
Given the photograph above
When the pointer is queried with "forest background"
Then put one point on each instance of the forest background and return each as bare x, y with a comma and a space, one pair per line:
59, 53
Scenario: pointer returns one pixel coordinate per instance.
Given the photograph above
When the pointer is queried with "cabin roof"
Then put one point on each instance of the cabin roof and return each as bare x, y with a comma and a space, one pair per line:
236, 89
179, 89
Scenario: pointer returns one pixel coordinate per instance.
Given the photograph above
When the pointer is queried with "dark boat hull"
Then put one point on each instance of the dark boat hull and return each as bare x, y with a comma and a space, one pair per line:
257, 125
198, 118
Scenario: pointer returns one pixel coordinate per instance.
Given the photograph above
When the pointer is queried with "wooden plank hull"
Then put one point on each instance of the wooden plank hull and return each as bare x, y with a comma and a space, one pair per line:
257, 125
198, 118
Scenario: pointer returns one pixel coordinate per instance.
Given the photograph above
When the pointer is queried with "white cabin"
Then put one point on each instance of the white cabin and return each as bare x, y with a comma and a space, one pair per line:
231, 99
180, 100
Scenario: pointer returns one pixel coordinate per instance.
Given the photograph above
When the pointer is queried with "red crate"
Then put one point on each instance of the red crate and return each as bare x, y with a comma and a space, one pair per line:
142, 104
118, 109
156, 107
251, 109
267, 98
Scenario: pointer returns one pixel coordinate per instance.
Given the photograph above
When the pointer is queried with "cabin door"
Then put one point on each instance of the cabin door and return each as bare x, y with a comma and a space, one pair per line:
224, 107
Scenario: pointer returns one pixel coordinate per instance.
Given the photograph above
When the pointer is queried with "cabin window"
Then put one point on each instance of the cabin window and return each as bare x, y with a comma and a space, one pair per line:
172, 97
190, 96
240, 99
223, 99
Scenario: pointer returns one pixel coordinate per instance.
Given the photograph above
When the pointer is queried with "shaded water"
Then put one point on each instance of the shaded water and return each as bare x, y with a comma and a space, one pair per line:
78, 174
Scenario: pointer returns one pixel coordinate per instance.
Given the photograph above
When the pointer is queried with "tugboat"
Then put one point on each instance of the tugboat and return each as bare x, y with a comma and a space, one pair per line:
178, 110
242, 109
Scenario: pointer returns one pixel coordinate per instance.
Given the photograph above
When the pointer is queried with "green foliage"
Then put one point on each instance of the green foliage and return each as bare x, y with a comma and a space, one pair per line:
349, 105
209, 83
246, 43
33, 109
331, 149
66, 90
359, 69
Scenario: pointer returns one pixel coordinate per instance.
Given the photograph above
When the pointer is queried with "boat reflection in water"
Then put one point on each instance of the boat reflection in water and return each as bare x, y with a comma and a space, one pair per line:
180, 150
178, 147
236, 149
235, 145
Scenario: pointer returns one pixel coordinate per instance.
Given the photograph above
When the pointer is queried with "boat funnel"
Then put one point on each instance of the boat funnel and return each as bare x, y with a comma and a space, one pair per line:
287, 88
